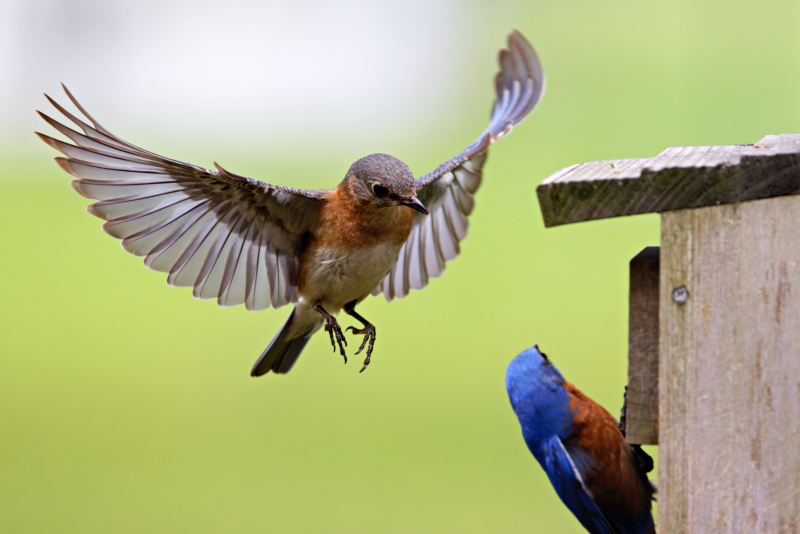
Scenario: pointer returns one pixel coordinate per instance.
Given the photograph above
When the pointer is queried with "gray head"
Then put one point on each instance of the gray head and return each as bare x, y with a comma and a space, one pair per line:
383, 180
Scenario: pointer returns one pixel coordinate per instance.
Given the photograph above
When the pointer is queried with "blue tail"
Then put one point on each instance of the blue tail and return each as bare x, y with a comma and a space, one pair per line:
280, 355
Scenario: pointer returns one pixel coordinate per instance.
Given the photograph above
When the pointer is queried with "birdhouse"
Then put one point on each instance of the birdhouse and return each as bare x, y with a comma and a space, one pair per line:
714, 325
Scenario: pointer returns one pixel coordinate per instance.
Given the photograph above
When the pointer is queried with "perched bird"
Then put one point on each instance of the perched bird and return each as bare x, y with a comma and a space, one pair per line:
243, 241
602, 480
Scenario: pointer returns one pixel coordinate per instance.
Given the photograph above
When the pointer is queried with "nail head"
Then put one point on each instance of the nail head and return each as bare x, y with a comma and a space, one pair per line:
680, 294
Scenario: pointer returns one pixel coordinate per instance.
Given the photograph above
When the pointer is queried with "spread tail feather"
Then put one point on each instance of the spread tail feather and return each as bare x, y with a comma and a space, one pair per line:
280, 355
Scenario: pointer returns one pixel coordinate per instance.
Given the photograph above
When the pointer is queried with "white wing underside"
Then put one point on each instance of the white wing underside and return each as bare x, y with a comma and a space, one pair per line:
448, 192
231, 238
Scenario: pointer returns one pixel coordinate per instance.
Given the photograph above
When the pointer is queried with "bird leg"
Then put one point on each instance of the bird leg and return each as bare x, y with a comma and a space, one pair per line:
333, 329
368, 332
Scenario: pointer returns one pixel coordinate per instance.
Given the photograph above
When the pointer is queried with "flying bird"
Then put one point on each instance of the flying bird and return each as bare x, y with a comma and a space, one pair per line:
243, 241
602, 480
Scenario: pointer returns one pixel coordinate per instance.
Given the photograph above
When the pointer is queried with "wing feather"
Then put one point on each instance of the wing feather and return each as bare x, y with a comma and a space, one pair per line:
84, 141
252, 267
185, 271
262, 287
222, 232
167, 252
250, 264
433, 258
229, 237
569, 484
232, 287
417, 276
95, 156
399, 274
143, 242
456, 219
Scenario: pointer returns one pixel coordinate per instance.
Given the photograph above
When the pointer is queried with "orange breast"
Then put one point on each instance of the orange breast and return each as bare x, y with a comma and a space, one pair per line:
344, 224
347, 224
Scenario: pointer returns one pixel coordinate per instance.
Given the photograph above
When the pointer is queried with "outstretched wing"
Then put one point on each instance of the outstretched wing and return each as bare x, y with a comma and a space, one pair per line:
448, 191
232, 238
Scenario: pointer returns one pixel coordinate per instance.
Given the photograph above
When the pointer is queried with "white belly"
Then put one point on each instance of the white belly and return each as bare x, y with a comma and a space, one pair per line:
336, 278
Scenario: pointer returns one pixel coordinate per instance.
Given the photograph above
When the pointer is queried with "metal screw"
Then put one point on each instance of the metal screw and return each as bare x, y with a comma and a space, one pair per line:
680, 295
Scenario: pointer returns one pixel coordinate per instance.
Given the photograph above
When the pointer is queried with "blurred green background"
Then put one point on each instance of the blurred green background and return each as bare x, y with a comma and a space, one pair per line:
127, 406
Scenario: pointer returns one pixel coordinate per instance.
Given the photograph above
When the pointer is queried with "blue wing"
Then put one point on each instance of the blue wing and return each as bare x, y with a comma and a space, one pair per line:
568, 482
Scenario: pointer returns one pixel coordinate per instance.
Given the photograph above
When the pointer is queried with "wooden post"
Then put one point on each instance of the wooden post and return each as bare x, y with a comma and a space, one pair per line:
730, 369
641, 421
728, 356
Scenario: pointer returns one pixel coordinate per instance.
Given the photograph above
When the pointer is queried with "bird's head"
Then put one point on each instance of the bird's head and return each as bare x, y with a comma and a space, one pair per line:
383, 181
532, 368
536, 390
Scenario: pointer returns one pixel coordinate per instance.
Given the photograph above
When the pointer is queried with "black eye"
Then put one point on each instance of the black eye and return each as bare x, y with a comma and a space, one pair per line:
381, 191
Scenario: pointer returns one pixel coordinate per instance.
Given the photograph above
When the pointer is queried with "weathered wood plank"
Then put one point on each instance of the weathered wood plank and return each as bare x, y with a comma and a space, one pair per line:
678, 178
641, 421
730, 369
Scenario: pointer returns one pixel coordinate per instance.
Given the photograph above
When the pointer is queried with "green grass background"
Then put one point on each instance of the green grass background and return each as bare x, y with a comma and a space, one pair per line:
127, 406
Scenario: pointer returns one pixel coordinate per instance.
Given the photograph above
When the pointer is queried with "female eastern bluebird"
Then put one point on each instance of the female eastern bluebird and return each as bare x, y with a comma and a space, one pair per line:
243, 241
599, 477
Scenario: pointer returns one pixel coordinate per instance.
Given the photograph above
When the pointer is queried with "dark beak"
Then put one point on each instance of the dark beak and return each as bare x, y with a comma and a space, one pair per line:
415, 204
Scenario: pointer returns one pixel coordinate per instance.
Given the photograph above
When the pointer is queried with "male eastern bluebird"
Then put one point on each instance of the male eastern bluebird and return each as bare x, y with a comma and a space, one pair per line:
602, 480
243, 241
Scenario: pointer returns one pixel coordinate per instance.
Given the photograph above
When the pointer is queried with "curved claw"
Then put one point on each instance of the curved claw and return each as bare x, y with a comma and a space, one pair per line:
337, 336
369, 336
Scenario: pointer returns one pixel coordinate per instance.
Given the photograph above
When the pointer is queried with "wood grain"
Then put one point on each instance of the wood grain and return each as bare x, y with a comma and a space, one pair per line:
641, 421
678, 178
730, 369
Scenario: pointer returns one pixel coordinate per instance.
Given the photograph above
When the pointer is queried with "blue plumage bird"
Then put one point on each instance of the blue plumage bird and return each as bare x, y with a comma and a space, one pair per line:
602, 480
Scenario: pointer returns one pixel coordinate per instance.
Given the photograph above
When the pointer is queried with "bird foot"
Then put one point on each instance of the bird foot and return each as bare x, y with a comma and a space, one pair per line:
335, 331
623, 415
369, 335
